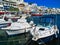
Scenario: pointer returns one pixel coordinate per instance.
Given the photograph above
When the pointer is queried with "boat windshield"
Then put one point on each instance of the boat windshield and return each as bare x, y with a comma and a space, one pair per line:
43, 20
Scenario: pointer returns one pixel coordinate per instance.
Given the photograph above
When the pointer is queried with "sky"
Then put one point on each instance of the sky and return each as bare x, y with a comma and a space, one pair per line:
47, 3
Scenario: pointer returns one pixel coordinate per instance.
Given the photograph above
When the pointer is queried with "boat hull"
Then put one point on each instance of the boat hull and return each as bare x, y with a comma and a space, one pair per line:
44, 36
13, 32
46, 39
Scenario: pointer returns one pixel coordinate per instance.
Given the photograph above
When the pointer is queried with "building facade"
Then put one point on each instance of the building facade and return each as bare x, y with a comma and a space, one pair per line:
15, 1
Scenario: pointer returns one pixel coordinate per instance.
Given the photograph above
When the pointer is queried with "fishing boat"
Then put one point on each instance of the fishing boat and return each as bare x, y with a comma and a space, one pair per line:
19, 27
46, 31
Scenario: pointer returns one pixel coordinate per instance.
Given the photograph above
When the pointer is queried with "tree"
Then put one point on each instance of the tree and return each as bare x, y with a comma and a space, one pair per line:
13, 9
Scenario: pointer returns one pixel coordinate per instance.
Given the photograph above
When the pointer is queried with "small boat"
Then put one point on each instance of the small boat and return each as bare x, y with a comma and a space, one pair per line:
19, 27
44, 33
36, 14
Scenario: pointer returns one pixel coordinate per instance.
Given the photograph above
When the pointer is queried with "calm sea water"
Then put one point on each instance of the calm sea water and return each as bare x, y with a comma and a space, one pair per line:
23, 39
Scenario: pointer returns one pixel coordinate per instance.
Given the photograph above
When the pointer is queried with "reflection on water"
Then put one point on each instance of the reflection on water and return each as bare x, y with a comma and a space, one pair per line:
20, 39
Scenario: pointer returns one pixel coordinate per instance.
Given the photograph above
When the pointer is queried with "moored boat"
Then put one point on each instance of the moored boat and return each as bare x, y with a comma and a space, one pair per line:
45, 32
21, 26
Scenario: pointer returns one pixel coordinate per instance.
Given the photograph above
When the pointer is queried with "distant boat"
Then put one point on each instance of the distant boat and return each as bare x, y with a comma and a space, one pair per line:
36, 14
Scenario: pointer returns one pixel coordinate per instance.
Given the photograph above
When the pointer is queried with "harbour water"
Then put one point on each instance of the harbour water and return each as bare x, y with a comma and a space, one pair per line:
24, 39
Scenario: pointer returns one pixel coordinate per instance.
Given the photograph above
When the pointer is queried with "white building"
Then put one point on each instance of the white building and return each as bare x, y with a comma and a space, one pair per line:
17, 1
1, 5
1, 0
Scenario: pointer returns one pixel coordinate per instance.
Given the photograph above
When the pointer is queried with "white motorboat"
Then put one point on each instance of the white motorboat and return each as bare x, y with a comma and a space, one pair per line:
44, 33
21, 26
